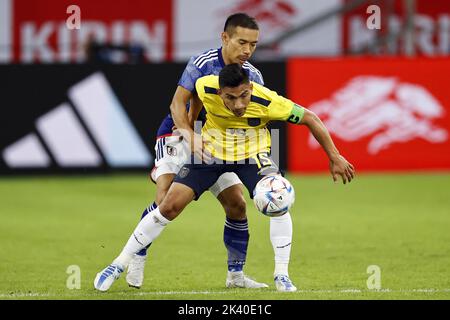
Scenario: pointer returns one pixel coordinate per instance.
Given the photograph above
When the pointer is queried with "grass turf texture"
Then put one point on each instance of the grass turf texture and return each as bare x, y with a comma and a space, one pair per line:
399, 222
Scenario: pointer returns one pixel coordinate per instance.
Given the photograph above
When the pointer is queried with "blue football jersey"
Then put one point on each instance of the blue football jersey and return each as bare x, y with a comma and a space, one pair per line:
207, 63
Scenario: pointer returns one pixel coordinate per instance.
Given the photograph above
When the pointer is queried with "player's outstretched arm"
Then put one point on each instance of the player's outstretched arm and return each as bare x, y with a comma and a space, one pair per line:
339, 166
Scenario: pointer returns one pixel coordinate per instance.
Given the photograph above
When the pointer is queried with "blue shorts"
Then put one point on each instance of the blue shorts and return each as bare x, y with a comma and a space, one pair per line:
200, 176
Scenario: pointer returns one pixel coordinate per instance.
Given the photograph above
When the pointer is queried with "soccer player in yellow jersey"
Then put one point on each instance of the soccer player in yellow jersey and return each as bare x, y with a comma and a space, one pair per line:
237, 117
235, 139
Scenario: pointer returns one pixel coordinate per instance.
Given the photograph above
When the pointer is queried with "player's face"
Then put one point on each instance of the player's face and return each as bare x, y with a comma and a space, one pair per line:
237, 99
239, 46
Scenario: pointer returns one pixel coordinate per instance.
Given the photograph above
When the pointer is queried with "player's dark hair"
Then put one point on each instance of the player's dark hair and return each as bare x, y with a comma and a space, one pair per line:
232, 75
242, 20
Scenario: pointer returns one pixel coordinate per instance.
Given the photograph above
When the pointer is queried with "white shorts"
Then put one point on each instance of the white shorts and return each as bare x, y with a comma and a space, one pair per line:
172, 152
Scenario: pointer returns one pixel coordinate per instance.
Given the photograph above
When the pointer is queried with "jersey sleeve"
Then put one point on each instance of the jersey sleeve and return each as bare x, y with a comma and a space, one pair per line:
199, 84
190, 75
284, 109
258, 78
207, 87
254, 74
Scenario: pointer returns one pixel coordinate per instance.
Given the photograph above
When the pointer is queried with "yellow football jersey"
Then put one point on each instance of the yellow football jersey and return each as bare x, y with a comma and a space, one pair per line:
233, 138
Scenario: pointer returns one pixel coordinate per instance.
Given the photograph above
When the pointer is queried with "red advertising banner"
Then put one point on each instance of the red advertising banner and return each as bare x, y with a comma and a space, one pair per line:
431, 23
41, 29
383, 114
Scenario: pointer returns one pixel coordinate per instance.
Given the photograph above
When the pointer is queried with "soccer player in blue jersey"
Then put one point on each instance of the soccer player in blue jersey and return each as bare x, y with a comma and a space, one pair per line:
232, 101
238, 44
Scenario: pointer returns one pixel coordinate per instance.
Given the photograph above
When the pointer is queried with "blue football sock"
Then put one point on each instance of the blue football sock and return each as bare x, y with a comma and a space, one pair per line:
143, 252
235, 236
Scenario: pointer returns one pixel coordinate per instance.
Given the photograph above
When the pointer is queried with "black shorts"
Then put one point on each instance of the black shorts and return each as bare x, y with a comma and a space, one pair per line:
201, 176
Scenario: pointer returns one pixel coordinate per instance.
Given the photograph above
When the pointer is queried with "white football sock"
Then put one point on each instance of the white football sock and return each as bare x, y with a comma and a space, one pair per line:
281, 238
146, 231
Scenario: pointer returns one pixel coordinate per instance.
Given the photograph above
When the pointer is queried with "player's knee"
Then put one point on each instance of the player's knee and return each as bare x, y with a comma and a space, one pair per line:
169, 210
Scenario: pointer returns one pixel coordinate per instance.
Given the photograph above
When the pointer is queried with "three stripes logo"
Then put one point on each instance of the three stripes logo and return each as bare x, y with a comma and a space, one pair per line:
111, 136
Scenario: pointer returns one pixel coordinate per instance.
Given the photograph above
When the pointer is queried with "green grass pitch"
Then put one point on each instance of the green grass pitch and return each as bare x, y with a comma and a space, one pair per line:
400, 223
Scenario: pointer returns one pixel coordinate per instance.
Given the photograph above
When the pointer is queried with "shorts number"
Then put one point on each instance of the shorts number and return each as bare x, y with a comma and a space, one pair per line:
263, 160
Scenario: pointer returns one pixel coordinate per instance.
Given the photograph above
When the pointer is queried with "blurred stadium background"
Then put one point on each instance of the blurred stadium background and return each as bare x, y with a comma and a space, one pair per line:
80, 109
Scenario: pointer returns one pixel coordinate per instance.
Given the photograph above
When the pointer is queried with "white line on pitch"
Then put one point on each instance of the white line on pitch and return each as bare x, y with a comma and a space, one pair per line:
158, 293
99, 294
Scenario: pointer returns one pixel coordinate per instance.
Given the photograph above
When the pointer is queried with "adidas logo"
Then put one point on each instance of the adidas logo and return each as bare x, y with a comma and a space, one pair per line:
89, 131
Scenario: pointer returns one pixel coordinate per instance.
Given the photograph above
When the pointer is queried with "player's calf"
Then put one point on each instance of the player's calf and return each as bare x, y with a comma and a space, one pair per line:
233, 202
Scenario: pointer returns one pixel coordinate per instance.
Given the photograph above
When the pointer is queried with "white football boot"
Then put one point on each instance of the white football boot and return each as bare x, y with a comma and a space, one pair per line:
240, 280
284, 284
135, 272
104, 279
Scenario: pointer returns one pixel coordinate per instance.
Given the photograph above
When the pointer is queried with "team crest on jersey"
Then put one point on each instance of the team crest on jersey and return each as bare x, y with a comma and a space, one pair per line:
183, 172
254, 122
171, 151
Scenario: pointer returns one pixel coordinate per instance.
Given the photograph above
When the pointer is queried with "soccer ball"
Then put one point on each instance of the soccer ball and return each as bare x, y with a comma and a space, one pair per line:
273, 196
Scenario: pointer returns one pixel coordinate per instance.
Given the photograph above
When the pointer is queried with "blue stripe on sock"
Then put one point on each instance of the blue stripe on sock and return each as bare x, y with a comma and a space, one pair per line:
150, 208
245, 221
236, 228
